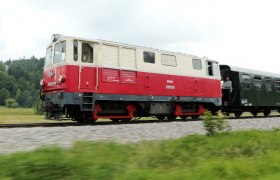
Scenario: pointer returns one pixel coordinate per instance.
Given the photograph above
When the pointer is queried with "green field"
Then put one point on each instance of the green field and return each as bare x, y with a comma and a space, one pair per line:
19, 115
237, 155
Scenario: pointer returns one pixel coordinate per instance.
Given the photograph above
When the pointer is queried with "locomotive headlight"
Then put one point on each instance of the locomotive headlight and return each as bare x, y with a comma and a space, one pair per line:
55, 37
42, 82
61, 79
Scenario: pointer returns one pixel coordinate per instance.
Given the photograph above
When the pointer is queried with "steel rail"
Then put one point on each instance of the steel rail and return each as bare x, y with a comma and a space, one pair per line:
136, 121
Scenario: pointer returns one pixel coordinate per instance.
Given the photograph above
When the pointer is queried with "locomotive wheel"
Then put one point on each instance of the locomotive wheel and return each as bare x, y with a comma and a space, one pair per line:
57, 116
238, 114
114, 120
125, 119
183, 117
266, 112
171, 117
48, 115
160, 117
80, 121
195, 117
214, 112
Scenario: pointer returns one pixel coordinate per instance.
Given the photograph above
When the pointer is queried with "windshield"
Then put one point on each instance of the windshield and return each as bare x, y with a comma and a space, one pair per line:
59, 52
48, 59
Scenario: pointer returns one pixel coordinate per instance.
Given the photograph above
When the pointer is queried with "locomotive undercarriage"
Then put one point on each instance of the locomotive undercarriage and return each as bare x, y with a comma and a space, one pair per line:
83, 107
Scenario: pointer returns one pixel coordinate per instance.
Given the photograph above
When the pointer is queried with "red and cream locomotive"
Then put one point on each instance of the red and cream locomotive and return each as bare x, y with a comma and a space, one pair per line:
89, 79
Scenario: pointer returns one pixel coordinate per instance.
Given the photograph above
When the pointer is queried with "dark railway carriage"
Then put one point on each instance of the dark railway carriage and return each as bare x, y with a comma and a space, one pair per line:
90, 79
252, 91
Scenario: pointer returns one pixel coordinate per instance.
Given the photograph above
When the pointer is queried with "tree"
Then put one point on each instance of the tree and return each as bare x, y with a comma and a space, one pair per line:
7, 82
18, 94
24, 98
21, 78
4, 94
2, 66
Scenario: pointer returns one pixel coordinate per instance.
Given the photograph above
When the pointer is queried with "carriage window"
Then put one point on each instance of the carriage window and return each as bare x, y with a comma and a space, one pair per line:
258, 82
59, 52
87, 53
268, 85
277, 85
216, 69
149, 57
75, 50
196, 63
168, 60
246, 82
209, 68
48, 59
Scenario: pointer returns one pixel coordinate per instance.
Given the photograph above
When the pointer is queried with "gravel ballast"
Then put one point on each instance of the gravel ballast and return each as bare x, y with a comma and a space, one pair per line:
26, 139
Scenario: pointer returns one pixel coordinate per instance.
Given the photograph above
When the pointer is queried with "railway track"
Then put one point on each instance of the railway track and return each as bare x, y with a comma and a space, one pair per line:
67, 124
29, 125
104, 123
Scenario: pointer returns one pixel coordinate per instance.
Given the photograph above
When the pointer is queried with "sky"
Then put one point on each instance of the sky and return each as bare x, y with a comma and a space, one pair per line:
243, 33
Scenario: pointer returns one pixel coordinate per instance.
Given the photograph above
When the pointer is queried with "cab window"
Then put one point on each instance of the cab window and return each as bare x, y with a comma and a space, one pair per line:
59, 52
212, 68
48, 59
216, 69
87, 53
75, 50
209, 68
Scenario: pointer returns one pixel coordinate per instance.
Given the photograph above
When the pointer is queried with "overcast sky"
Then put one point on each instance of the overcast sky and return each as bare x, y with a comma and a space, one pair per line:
243, 33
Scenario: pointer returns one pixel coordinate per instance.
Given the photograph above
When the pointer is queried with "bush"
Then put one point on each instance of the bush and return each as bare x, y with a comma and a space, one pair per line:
215, 125
38, 107
11, 103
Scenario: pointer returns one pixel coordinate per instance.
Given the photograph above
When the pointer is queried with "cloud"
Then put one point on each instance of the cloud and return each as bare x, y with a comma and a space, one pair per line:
141, 22
148, 23
233, 32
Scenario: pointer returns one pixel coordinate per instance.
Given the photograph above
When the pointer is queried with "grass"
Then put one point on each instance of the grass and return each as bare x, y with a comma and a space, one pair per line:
237, 155
19, 115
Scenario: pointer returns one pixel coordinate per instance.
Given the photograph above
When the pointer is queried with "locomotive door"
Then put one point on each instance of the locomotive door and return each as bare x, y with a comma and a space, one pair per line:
87, 69
197, 86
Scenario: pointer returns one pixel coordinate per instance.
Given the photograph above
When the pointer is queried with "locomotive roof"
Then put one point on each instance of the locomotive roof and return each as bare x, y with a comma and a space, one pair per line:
61, 37
250, 71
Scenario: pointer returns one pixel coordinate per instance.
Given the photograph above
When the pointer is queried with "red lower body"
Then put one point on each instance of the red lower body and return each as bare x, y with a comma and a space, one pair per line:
174, 90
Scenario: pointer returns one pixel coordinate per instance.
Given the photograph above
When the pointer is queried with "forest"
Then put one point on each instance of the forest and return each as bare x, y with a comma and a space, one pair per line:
20, 82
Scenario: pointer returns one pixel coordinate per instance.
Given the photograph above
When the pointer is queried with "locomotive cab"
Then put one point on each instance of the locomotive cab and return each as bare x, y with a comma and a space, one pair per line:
69, 55
69, 67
